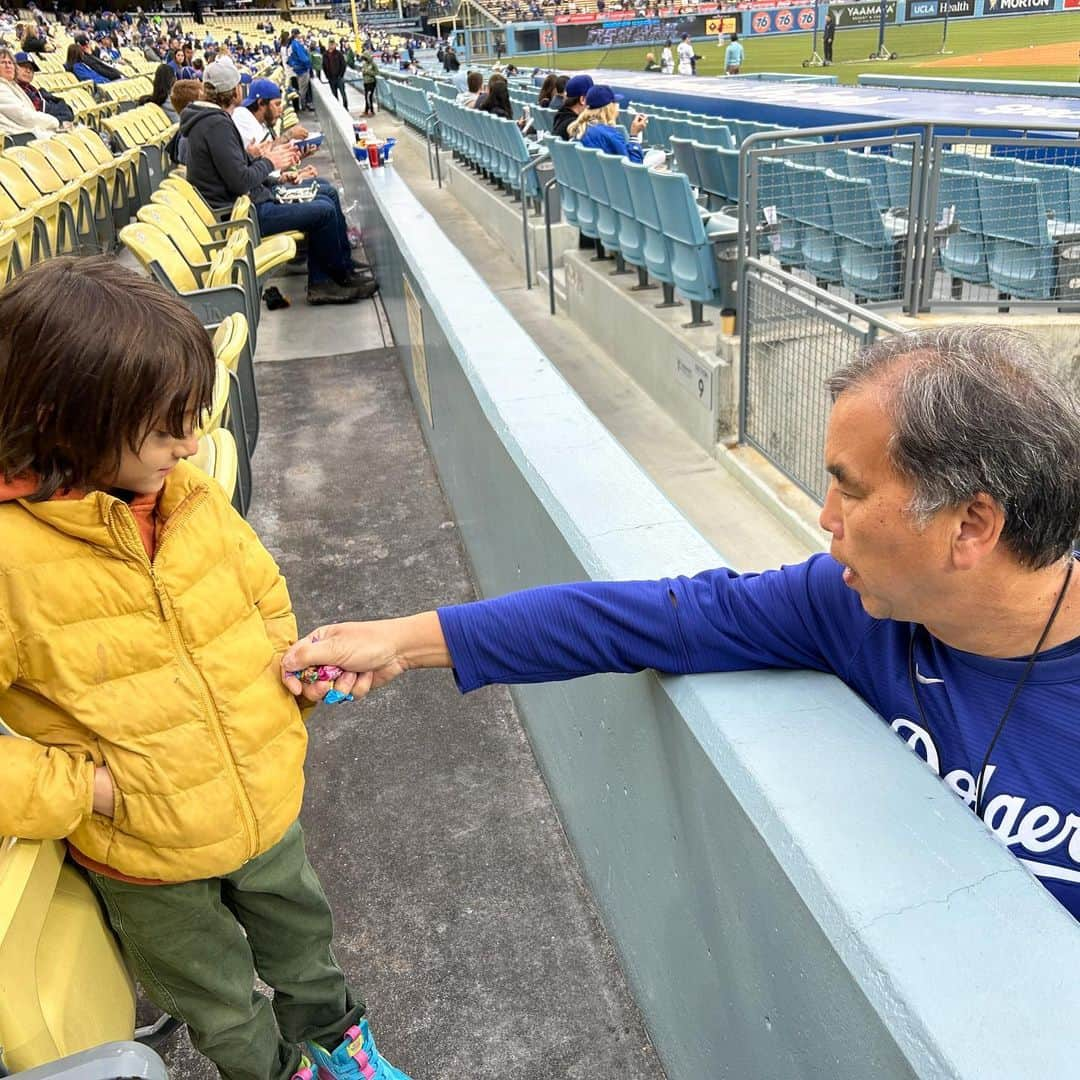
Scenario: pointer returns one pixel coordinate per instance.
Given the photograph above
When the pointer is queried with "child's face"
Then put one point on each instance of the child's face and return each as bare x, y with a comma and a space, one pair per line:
144, 472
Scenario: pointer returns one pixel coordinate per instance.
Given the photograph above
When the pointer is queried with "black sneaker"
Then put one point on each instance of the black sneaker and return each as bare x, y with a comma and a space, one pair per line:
330, 292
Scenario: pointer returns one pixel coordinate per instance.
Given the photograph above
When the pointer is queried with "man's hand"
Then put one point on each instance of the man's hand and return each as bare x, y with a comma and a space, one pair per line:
283, 157
637, 125
258, 149
104, 792
372, 653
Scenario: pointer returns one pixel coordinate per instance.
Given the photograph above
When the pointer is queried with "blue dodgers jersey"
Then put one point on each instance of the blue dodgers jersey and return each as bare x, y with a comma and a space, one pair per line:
804, 616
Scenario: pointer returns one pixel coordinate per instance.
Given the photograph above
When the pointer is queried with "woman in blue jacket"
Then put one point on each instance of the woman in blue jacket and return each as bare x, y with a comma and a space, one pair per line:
596, 129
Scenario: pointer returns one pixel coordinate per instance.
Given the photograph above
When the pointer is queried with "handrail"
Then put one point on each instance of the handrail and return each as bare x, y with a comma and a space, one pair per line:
544, 155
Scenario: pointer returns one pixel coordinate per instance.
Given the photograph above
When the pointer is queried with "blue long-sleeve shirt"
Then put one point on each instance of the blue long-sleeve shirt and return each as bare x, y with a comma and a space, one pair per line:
612, 141
804, 616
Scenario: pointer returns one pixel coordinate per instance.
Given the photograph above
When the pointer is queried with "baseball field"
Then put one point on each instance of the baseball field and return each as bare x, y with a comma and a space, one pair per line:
1023, 47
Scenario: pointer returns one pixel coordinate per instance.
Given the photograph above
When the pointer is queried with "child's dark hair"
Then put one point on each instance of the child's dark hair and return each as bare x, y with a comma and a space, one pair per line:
92, 355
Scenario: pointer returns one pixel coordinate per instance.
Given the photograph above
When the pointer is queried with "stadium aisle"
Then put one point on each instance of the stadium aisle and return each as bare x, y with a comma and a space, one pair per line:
459, 908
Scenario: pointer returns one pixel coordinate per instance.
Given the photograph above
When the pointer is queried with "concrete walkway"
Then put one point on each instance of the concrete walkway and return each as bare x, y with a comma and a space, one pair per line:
461, 916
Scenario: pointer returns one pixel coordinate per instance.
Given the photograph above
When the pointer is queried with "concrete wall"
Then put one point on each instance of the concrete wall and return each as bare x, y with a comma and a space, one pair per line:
791, 892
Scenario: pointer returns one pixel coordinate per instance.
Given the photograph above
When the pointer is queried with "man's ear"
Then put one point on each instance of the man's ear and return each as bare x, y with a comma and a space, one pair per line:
977, 530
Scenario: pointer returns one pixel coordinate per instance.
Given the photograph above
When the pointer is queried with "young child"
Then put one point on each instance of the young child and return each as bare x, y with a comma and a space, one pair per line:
141, 627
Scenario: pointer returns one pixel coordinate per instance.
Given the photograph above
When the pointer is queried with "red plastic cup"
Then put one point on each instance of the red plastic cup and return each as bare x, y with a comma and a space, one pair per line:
373, 155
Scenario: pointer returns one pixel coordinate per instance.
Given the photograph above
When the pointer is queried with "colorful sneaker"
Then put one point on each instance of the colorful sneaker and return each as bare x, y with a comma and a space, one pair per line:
355, 1059
306, 1071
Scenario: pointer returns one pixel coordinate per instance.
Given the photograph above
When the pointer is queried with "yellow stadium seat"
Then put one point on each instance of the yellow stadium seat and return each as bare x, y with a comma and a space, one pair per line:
97, 182
78, 194
177, 229
28, 228
216, 456
63, 983
10, 257
87, 146
59, 233
232, 346
217, 296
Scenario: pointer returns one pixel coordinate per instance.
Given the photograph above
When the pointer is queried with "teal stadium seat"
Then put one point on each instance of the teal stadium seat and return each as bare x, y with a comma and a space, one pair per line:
656, 250
693, 262
870, 257
1020, 253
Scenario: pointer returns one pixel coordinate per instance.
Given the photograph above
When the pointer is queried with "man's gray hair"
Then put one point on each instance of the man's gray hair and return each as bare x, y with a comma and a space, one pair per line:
977, 409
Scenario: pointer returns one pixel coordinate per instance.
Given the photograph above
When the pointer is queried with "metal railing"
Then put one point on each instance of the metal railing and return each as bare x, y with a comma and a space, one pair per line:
794, 336
898, 214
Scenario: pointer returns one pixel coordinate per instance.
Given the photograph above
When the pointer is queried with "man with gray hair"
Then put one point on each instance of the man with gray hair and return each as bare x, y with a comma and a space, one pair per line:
947, 601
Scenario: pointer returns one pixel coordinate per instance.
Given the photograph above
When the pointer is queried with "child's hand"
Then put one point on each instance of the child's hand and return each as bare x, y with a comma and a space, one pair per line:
315, 683
104, 792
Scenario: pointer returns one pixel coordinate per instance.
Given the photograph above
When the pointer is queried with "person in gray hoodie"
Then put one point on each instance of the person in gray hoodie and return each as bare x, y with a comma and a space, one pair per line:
222, 170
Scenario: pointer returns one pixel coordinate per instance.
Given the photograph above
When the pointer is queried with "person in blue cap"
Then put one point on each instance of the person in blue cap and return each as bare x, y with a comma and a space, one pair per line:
596, 127
573, 106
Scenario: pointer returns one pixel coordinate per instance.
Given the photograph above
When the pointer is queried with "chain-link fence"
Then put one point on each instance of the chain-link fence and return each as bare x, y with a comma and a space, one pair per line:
795, 335
905, 217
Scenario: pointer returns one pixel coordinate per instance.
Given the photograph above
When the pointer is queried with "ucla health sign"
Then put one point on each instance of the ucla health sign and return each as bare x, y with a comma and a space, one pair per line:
1016, 7
938, 9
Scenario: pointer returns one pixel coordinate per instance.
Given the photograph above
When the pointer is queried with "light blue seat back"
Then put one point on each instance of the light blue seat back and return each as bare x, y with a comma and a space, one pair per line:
773, 191
963, 254
871, 167
1020, 253
631, 239
693, 266
994, 165
1054, 184
560, 150
656, 251
898, 179
686, 160
870, 263
955, 159
717, 135
586, 204
810, 205
607, 223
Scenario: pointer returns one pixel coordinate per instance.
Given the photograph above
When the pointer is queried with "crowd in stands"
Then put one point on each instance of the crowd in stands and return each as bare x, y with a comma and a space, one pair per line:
227, 101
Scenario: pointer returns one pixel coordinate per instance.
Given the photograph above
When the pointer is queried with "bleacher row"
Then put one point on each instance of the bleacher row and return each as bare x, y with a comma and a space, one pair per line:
86, 190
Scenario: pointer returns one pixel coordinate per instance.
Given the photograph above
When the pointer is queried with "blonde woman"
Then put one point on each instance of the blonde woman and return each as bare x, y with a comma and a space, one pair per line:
17, 112
596, 126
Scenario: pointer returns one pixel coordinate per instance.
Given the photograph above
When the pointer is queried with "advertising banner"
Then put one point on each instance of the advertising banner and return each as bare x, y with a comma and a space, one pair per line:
938, 9
1072, 3
869, 14
1017, 7
727, 25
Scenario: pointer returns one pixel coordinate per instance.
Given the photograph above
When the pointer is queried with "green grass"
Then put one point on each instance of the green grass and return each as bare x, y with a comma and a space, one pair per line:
914, 43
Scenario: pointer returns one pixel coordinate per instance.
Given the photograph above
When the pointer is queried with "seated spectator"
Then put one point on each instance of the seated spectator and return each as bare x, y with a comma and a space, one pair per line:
547, 92
35, 41
558, 99
497, 99
650, 62
222, 171
164, 79
42, 100
17, 115
573, 107
181, 68
94, 69
595, 127
184, 92
469, 96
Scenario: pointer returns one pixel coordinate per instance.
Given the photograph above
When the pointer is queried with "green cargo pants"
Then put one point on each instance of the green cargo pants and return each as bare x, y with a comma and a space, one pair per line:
187, 946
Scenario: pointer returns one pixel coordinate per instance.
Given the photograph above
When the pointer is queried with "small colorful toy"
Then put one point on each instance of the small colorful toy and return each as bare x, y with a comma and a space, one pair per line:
323, 673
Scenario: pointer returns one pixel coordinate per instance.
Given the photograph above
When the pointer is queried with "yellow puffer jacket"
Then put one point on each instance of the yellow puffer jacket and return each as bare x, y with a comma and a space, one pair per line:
166, 673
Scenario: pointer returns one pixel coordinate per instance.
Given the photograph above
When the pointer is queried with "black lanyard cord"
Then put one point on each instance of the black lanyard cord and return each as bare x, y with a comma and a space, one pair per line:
1016, 689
